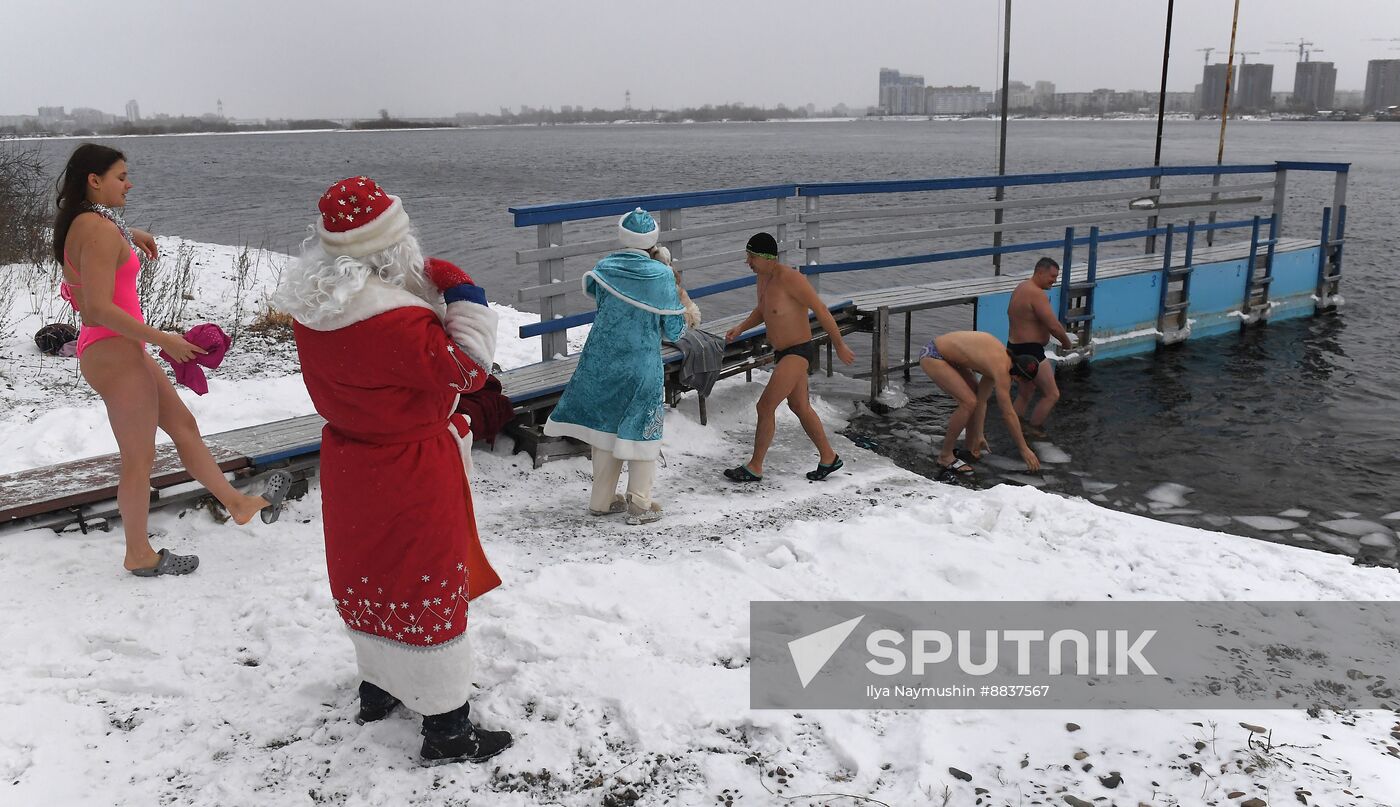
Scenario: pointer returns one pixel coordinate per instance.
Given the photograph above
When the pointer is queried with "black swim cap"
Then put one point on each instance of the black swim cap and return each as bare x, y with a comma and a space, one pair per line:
1024, 365
763, 245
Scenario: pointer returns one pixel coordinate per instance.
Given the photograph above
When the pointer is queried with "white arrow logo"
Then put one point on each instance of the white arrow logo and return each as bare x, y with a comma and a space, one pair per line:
811, 652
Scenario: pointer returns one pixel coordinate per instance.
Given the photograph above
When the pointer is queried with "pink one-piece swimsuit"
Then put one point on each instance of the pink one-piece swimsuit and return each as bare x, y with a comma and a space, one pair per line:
123, 296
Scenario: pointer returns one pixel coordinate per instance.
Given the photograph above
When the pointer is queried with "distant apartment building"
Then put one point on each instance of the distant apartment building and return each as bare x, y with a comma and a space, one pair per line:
49, 115
1213, 83
901, 94
1255, 88
966, 100
1314, 85
1045, 95
1020, 97
1099, 102
88, 118
133, 112
1179, 101
1382, 85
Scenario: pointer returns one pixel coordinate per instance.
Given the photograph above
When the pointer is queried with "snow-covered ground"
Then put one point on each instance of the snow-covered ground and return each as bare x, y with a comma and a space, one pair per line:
617, 655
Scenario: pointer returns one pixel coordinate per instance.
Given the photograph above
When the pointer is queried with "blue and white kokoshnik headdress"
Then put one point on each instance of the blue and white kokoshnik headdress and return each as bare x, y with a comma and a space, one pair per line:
638, 230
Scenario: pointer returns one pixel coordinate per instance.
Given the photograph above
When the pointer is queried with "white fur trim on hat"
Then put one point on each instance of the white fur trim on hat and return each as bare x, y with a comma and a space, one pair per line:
384, 231
637, 240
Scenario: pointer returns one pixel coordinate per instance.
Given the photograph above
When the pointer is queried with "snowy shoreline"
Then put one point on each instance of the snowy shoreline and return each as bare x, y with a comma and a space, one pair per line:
617, 655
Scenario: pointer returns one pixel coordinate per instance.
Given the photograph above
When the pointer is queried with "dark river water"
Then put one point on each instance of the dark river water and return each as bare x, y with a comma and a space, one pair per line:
1289, 432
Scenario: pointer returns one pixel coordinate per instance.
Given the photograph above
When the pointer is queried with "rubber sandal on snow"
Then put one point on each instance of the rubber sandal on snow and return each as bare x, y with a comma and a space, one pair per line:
958, 467
823, 471
169, 564
964, 455
742, 474
275, 491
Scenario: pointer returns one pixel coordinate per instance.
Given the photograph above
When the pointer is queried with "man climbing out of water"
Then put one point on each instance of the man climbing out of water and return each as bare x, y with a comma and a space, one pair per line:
950, 360
784, 298
1033, 322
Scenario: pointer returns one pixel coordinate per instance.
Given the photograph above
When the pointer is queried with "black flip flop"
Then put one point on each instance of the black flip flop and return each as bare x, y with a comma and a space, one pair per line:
742, 474
823, 471
169, 564
275, 491
958, 467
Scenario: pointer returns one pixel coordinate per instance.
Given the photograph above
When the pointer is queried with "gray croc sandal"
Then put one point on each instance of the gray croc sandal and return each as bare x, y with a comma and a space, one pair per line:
169, 563
275, 491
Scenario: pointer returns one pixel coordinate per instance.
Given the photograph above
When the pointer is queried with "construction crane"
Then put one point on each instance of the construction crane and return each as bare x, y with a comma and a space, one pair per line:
1301, 44
1309, 52
1244, 53
1208, 52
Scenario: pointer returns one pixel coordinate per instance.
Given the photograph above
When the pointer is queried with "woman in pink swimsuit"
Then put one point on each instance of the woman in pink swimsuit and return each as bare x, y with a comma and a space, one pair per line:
100, 265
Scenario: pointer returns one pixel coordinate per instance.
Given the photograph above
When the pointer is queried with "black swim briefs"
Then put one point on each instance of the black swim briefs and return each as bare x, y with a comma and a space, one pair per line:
807, 350
1033, 348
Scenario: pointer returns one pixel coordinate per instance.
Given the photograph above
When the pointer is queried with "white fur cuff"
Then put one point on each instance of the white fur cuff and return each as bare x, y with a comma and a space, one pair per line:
473, 327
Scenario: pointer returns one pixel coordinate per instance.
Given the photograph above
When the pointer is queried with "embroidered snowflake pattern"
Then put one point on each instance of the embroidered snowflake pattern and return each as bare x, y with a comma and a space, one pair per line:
655, 421
407, 619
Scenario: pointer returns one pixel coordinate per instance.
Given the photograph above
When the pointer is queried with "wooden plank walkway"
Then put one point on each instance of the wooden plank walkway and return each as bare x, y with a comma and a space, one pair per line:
74, 485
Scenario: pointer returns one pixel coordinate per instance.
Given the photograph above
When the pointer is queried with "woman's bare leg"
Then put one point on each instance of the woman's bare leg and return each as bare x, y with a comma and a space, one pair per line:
176, 420
115, 370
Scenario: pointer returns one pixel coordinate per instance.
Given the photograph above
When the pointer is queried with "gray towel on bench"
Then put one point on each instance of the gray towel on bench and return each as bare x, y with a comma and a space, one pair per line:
702, 356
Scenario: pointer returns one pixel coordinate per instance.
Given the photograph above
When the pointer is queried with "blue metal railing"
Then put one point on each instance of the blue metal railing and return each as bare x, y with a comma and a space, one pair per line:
592, 209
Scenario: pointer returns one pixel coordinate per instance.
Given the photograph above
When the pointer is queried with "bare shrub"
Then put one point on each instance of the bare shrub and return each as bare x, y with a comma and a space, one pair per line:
24, 204
10, 282
166, 288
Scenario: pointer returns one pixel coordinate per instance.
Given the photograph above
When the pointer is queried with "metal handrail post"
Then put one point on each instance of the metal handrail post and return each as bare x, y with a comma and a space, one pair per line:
555, 343
1065, 272
811, 231
1166, 269
781, 231
1280, 196
1322, 257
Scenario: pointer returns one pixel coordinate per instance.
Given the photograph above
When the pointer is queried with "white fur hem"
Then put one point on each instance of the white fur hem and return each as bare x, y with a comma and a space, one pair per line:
621, 448
610, 290
429, 680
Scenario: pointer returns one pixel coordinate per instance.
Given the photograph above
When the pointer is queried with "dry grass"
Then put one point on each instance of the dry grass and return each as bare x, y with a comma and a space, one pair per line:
272, 324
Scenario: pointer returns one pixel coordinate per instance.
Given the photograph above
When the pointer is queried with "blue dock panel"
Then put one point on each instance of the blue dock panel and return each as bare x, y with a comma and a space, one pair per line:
1217, 290
1294, 284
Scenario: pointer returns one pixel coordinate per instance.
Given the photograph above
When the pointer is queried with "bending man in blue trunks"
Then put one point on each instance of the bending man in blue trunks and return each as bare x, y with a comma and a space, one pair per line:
784, 298
950, 360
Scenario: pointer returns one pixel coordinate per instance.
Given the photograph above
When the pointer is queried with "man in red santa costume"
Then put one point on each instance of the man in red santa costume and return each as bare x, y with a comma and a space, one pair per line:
388, 341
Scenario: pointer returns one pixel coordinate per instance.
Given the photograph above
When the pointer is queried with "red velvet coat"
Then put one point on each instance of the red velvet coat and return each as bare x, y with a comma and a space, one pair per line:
401, 541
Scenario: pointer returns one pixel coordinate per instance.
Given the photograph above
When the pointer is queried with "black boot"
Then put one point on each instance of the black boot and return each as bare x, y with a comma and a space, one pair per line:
451, 737
375, 703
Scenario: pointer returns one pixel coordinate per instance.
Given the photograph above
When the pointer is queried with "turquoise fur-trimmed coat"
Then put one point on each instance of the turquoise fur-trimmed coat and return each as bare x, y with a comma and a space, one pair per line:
614, 401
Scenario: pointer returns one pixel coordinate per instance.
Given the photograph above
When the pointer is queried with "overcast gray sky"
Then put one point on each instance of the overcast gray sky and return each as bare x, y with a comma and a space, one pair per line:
294, 58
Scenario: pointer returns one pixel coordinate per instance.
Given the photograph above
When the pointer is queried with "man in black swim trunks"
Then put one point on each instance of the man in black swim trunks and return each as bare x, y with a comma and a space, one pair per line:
1033, 322
784, 300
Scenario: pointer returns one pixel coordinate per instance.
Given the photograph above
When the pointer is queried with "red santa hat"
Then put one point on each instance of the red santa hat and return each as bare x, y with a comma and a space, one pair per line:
358, 218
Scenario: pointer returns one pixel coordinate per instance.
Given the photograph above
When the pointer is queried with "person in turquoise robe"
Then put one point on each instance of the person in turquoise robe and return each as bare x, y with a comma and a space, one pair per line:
615, 399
